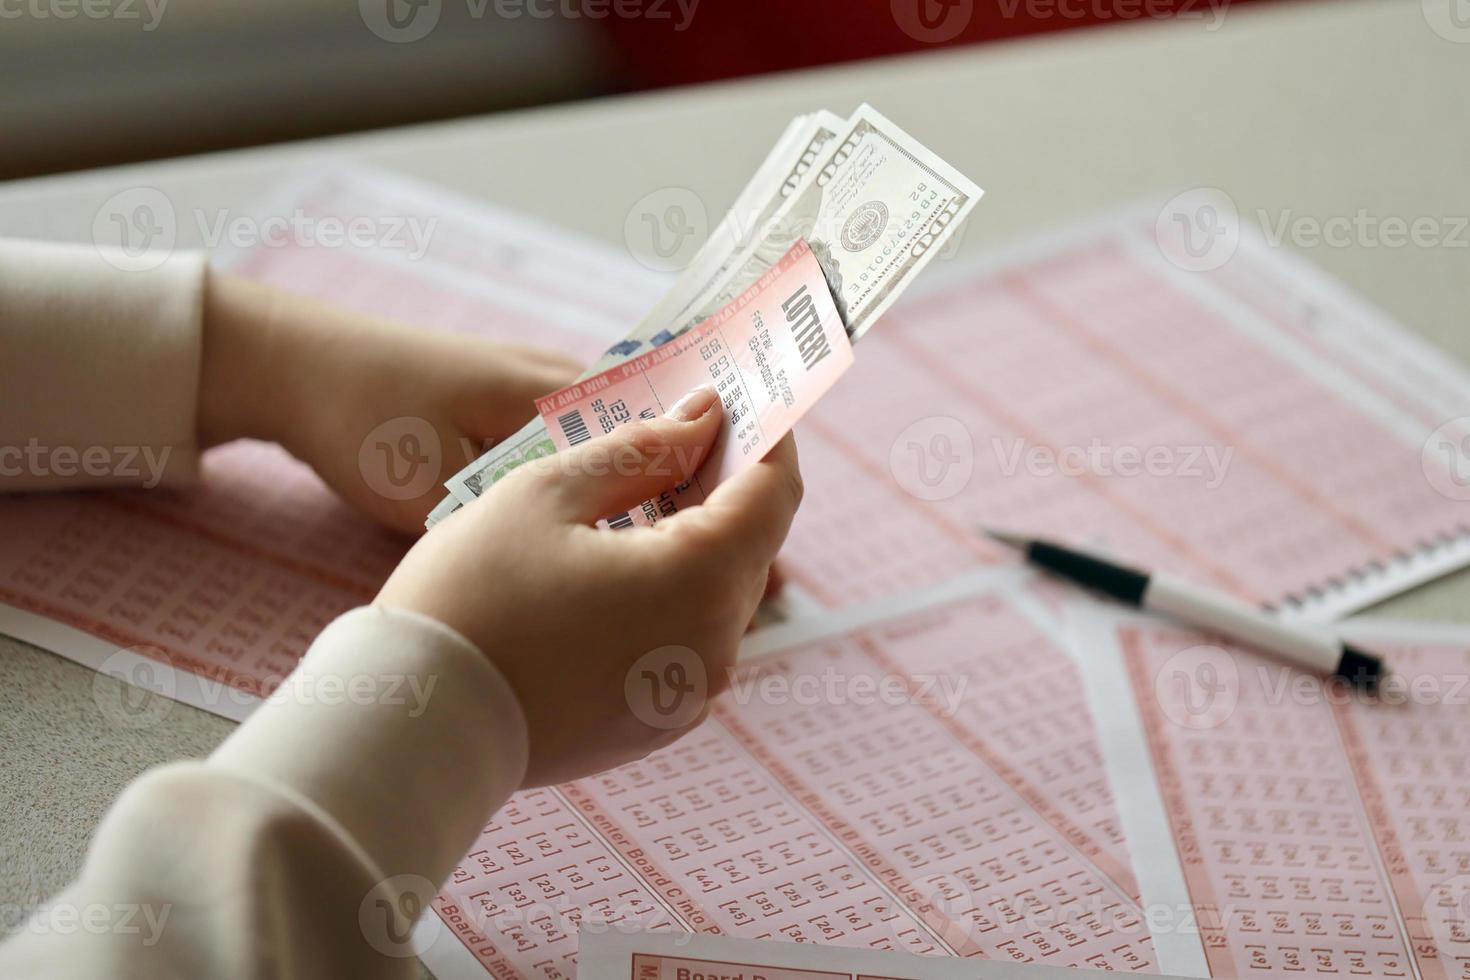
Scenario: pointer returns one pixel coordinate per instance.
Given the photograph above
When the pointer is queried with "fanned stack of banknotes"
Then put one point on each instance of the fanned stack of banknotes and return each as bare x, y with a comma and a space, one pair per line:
871, 204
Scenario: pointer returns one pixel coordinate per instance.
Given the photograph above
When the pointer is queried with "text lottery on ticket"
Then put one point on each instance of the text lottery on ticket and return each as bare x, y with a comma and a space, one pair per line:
769, 354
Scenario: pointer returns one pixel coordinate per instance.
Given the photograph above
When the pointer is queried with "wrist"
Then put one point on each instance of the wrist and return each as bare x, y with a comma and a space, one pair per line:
249, 359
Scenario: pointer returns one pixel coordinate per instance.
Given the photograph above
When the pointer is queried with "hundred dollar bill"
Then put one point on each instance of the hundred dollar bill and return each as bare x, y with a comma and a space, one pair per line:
783, 171
781, 175
875, 212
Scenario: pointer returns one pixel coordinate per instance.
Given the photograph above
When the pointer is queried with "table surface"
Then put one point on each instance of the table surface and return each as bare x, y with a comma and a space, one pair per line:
1316, 109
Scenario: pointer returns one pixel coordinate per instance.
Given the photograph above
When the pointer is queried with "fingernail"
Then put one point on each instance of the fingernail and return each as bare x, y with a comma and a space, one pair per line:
693, 405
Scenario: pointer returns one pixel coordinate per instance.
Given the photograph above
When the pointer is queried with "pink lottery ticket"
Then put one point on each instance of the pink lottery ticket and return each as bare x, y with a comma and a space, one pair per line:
770, 354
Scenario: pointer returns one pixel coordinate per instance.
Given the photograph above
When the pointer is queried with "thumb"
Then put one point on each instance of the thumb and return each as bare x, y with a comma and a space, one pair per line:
633, 463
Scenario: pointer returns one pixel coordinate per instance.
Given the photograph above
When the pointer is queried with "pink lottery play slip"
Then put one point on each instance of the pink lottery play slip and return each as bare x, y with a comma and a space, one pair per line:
769, 355
1295, 826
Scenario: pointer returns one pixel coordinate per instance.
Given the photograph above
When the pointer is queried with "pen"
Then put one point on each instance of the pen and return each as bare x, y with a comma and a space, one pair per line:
1314, 649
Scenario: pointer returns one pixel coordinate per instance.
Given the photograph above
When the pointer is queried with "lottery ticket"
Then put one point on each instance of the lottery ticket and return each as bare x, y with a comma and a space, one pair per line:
769, 354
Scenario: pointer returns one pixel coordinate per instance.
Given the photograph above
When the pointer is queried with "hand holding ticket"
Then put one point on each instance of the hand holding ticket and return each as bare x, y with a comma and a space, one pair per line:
769, 354
868, 202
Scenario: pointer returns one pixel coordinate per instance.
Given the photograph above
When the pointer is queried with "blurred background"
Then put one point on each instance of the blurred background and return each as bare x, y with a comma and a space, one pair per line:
94, 82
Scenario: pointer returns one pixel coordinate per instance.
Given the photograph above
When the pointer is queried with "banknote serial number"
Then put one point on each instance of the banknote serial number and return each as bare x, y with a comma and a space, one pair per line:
926, 203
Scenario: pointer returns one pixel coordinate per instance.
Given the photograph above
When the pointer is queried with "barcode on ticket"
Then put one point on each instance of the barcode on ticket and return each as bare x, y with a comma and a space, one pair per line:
574, 427
623, 520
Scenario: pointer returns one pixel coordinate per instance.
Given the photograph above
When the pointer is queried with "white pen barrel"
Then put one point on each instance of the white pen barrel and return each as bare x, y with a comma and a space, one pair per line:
1307, 646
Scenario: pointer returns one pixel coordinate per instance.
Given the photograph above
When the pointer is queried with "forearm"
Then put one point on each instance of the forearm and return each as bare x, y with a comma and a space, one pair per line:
103, 365
247, 333
398, 727
365, 779
278, 366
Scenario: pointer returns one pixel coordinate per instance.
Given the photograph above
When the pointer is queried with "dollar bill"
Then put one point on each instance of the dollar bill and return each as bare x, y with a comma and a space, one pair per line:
782, 174
875, 214
445, 507
874, 204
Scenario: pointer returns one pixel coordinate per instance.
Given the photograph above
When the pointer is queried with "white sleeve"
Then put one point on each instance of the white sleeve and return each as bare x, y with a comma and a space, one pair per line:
288, 851
99, 378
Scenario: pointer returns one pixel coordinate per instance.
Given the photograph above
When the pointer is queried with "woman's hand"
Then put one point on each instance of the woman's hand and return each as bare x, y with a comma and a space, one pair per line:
612, 640
383, 412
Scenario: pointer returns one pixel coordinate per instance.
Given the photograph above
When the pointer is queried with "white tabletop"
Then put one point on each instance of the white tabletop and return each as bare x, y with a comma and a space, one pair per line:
1316, 109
